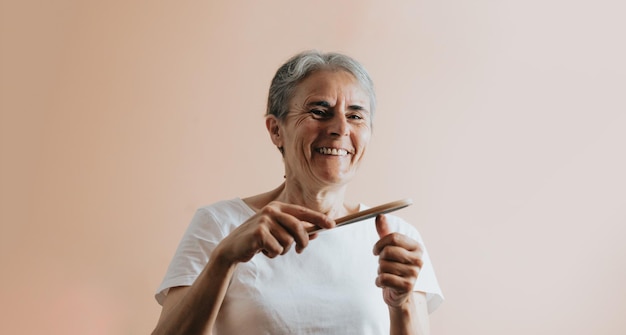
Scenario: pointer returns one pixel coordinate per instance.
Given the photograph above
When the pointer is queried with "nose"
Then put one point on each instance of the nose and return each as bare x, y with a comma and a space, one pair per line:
338, 125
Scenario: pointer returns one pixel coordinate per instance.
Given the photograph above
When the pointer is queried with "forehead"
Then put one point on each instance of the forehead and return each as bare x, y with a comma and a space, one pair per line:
331, 84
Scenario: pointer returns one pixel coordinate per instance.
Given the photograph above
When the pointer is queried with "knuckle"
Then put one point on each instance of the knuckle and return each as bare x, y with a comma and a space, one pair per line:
299, 229
264, 221
258, 234
384, 254
419, 254
270, 209
415, 259
288, 240
395, 238
419, 262
300, 211
407, 286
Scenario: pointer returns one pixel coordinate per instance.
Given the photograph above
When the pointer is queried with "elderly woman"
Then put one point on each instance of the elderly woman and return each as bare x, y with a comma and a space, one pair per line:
235, 271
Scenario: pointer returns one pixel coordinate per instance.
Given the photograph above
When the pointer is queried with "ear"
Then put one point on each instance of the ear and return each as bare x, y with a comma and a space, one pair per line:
273, 127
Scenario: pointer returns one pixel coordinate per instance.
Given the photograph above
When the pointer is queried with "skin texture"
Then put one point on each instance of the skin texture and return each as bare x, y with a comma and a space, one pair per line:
329, 110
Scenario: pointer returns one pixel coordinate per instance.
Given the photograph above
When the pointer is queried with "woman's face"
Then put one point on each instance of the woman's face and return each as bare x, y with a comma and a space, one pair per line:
326, 130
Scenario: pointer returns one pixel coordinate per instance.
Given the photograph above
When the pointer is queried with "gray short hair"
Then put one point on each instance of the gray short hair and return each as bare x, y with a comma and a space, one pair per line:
298, 67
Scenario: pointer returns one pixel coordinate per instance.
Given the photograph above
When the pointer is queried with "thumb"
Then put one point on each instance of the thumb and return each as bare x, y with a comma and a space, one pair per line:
381, 226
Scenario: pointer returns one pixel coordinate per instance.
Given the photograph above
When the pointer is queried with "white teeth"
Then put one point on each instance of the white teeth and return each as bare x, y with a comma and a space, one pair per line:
333, 151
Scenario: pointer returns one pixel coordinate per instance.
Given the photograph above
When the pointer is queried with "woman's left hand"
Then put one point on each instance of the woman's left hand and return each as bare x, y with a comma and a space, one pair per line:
400, 261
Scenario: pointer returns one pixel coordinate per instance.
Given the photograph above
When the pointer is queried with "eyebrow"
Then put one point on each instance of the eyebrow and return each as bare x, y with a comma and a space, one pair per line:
357, 107
319, 103
325, 104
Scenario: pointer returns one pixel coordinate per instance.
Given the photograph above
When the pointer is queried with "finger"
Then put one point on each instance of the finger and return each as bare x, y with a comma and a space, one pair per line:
284, 238
298, 220
271, 247
396, 239
381, 226
290, 229
283, 226
400, 255
308, 215
408, 271
397, 283
270, 237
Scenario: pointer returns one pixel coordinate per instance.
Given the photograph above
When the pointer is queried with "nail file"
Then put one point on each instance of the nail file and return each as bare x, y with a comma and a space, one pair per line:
366, 214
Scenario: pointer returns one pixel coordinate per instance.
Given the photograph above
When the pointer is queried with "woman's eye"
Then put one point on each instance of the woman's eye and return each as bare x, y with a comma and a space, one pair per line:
319, 112
355, 117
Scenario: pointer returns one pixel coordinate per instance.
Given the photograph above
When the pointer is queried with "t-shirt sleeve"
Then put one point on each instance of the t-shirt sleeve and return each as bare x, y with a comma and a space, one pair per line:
192, 254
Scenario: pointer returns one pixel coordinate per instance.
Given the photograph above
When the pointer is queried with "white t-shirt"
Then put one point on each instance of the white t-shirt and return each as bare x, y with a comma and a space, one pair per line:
327, 289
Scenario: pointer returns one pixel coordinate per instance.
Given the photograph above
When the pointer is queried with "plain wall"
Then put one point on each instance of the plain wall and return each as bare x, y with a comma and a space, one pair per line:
503, 120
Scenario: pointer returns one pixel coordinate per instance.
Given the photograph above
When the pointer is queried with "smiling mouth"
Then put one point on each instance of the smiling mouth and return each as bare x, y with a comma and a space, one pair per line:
332, 151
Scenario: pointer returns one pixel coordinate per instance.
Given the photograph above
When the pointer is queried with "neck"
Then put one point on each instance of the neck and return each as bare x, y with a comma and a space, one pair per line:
330, 201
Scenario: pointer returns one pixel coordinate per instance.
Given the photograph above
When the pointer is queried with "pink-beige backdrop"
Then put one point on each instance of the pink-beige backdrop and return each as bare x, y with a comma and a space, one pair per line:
503, 120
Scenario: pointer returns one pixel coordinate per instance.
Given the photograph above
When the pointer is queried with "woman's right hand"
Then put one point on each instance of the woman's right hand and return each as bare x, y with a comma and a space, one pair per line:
272, 231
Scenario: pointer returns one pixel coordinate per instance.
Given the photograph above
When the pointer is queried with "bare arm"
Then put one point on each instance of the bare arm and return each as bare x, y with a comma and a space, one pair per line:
400, 261
412, 318
194, 309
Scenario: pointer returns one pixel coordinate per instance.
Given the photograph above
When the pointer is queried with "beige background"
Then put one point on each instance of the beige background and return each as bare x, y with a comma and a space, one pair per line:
503, 120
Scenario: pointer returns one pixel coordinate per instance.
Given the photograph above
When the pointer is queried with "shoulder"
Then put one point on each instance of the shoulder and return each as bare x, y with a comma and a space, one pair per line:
226, 208
219, 218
